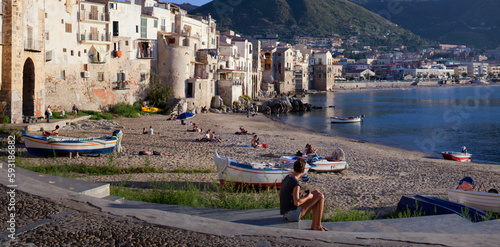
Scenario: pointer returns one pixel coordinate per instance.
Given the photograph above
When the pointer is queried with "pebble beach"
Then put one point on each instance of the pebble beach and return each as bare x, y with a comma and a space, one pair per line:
376, 179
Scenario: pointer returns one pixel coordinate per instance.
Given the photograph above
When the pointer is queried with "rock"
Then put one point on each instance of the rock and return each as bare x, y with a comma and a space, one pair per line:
217, 102
285, 104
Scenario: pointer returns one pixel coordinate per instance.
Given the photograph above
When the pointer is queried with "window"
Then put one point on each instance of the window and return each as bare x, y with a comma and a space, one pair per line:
84, 50
45, 15
143, 77
64, 49
63, 75
47, 36
155, 23
100, 76
79, 53
120, 76
126, 42
136, 29
144, 28
72, 53
68, 27
62, 21
115, 28
113, 6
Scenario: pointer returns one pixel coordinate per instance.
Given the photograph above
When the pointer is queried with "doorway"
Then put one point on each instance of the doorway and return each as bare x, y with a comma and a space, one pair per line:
29, 88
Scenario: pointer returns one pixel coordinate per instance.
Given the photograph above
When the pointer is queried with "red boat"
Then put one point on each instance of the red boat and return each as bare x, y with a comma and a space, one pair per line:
458, 156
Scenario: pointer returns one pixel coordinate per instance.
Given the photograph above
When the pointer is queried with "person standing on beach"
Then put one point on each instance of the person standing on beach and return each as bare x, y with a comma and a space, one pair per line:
294, 206
48, 113
75, 110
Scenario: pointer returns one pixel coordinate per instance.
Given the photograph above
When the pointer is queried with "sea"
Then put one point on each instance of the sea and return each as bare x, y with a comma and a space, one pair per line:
429, 120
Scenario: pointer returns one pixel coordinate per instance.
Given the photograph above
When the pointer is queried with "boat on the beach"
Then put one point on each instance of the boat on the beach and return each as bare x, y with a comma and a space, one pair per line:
346, 119
48, 145
427, 205
458, 156
232, 173
322, 164
489, 202
151, 109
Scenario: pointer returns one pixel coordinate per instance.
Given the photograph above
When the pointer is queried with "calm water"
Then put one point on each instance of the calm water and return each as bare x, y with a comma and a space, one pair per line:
429, 120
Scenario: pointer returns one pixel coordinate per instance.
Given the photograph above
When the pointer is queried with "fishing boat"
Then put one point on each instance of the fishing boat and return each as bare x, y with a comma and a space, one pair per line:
254, 174
322, 164
427, 205
48, 145
489, 202
346, 119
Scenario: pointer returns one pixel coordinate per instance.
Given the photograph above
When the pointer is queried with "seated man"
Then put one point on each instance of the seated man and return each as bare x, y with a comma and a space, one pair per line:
294, 206
213, 138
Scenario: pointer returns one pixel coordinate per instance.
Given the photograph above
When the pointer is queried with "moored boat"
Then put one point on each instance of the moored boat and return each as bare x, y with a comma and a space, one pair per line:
346, 119
253, 174
48, 145
322, 164
489, 202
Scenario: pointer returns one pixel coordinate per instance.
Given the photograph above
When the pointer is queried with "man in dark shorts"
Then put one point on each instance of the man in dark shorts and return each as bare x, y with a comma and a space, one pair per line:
294, 206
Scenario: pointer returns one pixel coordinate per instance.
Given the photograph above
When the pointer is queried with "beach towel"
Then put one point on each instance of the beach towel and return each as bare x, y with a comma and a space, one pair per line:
246, 146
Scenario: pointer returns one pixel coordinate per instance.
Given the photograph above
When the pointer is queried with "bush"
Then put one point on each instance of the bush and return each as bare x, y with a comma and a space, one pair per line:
98, 115
126, 110
57, 115
159, 93
5, 119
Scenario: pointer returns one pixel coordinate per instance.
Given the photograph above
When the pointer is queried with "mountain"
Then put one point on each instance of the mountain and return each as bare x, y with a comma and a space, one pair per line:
307, 17
187, 6
470, 22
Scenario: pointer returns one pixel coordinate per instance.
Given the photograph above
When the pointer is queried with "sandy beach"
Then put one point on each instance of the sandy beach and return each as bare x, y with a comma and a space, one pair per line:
376, 179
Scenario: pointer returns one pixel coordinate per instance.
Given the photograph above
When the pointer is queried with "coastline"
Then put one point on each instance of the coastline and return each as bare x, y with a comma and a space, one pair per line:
377, 177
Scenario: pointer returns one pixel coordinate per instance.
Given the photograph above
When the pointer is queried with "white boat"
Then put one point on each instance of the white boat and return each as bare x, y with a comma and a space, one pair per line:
253, 174
346, 119
323, 164
489, 202
50, 145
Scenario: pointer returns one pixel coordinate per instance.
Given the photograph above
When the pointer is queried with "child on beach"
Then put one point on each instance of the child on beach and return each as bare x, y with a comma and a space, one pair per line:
294, 206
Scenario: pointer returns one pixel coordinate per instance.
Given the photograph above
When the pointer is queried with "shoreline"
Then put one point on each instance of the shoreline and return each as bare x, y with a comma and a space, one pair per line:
376, 179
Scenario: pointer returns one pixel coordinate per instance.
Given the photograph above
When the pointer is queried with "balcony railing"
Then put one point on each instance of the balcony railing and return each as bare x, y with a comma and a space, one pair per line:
33, 45
93, 16
145, 54
99, 37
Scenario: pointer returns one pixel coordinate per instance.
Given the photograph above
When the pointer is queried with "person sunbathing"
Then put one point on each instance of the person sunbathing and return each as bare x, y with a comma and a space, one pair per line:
195, 128
54, 132
213, 138
255, 142
245, 132
145, 131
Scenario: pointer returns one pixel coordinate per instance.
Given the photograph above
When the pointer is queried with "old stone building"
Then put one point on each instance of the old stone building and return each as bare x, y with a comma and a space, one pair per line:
22, 91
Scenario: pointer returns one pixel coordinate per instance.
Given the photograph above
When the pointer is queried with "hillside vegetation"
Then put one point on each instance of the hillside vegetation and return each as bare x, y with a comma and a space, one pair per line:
307, 17
475, 23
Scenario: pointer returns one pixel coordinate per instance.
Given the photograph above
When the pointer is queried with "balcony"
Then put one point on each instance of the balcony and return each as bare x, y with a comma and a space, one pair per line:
121, 85
96, 38
93, 16
33, 45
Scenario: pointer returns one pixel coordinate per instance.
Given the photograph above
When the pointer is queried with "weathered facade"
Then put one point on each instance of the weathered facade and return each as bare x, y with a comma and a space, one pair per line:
22, 90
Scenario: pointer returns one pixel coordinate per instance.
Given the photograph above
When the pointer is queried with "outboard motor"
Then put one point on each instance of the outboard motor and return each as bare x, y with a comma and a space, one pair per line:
119, 135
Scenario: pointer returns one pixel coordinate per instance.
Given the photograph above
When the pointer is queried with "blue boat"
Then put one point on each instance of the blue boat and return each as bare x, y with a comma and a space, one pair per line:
50, 145
435, 206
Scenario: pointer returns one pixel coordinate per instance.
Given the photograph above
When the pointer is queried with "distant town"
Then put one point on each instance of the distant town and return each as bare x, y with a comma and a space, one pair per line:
97, 53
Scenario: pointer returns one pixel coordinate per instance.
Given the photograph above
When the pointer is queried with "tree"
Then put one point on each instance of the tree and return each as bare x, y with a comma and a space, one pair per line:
465, 74
158, 93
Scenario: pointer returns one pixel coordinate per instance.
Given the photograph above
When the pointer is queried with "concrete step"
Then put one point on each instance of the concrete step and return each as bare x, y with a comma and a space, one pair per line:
99, 190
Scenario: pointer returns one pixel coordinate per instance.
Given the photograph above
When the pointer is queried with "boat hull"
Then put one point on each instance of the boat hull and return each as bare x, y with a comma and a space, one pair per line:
457, 156
345, 120
45, 146
489, 202
238, 174
323, 165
